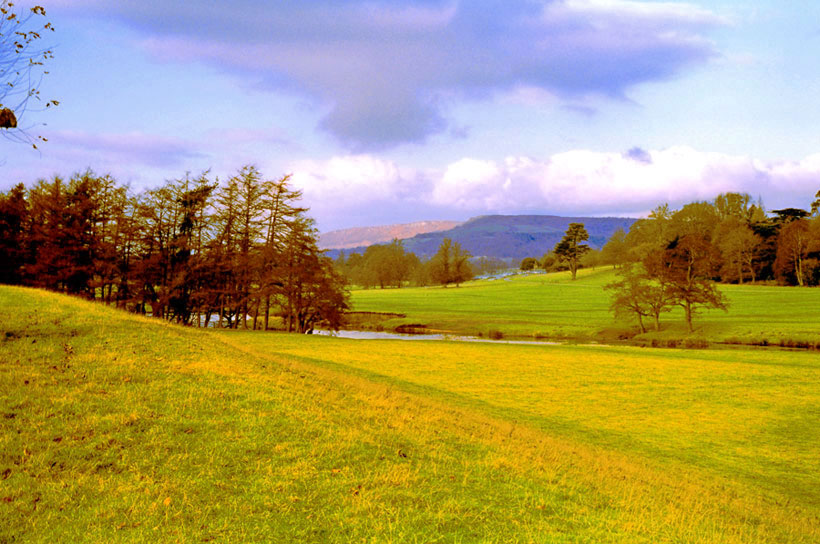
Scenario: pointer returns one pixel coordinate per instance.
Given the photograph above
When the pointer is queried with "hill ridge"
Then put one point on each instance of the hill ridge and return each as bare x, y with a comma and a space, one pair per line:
366, 236
510, 237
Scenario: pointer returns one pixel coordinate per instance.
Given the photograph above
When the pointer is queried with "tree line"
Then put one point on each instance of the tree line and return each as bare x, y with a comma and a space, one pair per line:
751, 244
748, 243
194, 251
675, 257
391, 265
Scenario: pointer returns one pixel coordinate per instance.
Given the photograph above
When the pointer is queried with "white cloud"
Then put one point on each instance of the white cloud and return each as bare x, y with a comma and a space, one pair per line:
342, 181
672, 12
577, 182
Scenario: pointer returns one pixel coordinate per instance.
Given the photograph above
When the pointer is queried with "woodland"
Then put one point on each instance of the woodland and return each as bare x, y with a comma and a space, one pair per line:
243, 253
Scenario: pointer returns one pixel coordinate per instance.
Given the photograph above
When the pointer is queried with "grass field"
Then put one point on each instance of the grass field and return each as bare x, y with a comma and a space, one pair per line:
554, 307
119, 428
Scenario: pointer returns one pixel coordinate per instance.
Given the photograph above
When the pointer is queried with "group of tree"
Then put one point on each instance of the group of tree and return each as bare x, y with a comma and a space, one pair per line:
390, 265
750, 244
192, 251
381, 265
679, 274
675, 257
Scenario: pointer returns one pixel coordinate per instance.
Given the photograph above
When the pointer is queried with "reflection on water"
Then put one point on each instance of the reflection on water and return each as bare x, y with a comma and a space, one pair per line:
372, 335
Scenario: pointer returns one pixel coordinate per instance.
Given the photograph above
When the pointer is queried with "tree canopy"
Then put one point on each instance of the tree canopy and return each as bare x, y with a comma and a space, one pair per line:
191, 251
570, 249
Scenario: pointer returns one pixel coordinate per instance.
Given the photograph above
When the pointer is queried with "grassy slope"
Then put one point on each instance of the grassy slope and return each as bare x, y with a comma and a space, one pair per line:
747, 416
553, 306
117, 428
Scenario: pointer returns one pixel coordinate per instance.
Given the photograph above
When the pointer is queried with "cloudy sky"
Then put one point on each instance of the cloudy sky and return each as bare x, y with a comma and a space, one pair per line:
393, 111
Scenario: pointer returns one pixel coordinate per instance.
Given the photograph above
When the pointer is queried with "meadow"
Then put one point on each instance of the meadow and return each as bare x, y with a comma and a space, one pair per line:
551, 306
122, 428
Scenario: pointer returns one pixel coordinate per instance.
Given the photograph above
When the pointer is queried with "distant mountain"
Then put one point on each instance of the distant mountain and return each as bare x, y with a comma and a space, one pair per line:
367, 236
512, 236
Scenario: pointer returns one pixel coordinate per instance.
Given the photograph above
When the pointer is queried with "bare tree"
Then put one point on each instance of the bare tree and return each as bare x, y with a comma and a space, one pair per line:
22, 66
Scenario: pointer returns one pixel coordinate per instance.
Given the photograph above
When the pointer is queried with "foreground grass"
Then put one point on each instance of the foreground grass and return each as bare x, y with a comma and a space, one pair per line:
750, 416
554, 307
117, 428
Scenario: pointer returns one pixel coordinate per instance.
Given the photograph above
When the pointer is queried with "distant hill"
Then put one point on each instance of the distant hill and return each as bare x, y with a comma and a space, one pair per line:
367, 236
512, 236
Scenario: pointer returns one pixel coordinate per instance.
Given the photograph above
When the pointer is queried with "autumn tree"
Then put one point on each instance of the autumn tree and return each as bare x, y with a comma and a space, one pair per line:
109, 225
698, 218
76, 239
186, 259
249, 229
793, 251
450, 264
13, 230
638, 295
571, 247
738, 245
310, 291
647, 235
170, 218
281, 212
44, 255
815, 205
385, 265
175, 252
615, 251
460, 270
686, 268
441, 263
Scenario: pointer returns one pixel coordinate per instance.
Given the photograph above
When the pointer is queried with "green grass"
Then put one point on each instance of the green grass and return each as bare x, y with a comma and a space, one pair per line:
119, 428
552, 306
750, 416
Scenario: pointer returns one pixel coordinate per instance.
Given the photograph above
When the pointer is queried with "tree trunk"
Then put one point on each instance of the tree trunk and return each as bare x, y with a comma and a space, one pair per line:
256, 313
688, 309
798, 271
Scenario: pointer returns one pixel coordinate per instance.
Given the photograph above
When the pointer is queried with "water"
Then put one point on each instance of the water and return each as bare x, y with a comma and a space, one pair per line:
373, 335
507, 275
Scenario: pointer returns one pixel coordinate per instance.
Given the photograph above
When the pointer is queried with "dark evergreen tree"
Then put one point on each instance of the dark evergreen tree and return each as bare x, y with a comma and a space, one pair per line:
571, 247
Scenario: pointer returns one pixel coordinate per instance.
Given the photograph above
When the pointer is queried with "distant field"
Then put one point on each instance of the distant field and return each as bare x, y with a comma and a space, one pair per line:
553, 306
120, 428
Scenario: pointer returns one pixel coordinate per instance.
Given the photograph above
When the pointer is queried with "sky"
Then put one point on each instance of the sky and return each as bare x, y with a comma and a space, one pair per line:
392, 111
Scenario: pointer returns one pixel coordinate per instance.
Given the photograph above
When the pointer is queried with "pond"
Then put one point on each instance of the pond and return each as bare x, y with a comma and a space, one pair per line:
374, 335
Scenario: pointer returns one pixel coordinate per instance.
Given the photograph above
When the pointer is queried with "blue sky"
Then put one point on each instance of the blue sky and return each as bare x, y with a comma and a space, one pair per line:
393, 111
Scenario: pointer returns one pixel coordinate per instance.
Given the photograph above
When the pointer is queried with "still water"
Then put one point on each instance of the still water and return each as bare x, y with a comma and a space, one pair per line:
373, 335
